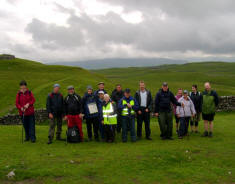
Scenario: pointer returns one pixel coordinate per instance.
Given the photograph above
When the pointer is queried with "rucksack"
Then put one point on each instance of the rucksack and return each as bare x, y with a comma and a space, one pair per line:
73, 135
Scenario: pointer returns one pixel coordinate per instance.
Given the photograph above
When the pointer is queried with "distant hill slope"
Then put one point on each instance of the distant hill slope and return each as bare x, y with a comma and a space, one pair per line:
122, 63
40, 80
220, 74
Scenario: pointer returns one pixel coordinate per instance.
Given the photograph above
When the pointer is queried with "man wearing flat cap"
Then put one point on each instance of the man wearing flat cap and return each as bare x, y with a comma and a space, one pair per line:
55, 107
128, 106
73, 110
163, 110
100, 88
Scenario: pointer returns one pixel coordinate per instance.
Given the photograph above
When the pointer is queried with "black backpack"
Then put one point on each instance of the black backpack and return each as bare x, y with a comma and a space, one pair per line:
73, 135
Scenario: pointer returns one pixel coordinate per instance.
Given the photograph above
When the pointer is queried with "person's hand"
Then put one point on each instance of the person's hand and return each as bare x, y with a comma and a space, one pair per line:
26, 106
146, 110
65, 118
22, 109
182, 104
102, 122
193, 115
139, 112
129, 105
156, 114
81, 115
50, 115
178, 116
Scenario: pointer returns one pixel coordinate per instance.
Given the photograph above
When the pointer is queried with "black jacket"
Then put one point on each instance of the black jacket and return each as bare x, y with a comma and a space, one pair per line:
73, 104
163, 101
55, 104
117, 95
149, 99
197, 100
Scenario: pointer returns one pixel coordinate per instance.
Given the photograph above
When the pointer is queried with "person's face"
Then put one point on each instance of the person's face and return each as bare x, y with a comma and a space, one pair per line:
127, 95
142, 86
106, 99
89, 91
101, 86
101, 96
185, 95
23, 88
194, 89
180, 92
207, 87
119, 88
56, 90
165, 88
71, 91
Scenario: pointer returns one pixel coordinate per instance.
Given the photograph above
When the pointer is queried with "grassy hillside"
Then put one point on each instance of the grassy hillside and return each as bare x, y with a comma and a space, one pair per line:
221, 75
40, 80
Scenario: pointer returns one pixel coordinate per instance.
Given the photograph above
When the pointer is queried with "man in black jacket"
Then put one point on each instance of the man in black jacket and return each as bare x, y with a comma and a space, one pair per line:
55, 111
144, 99
196, 98
73, 110
117, 95
163, 110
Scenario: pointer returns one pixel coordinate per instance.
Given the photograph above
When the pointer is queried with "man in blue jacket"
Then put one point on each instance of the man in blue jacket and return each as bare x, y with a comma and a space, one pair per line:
128, 106
92, 113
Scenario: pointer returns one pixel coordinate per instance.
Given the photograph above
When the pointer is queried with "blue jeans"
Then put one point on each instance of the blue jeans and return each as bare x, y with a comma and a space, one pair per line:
128, 122
29, 127
183, 129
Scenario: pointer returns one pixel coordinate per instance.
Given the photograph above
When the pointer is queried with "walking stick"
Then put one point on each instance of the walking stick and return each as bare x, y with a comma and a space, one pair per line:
22, 135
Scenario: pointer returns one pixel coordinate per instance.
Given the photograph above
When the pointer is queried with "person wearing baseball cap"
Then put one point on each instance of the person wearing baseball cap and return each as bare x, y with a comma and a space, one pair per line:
163, 100
92, 113
73, 110
185, 113
55, 108
128, 106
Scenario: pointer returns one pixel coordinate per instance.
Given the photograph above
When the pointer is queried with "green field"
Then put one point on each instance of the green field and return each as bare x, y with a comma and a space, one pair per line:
191, 160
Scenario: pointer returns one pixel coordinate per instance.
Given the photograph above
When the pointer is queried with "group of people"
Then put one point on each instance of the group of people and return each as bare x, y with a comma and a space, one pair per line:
105, 115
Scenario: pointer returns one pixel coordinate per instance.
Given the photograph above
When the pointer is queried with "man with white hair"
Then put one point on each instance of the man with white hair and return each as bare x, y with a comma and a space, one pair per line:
109, 119
210, 101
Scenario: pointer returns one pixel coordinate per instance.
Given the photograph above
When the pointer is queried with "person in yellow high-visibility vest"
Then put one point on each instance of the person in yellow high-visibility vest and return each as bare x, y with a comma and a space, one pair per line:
128, 106
109, 119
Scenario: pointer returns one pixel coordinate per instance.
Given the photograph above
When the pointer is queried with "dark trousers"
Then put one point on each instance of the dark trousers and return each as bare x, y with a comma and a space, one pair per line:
95, 123
101, 129
53, 122
184, 122
110, 132
29, 127
119, 122
165, 121
128, 122
143, 117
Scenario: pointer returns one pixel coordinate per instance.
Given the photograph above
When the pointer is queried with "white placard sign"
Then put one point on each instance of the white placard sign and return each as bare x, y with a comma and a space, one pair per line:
92, 108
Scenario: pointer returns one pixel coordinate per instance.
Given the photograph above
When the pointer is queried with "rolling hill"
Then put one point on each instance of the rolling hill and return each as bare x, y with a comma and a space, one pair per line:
41, 78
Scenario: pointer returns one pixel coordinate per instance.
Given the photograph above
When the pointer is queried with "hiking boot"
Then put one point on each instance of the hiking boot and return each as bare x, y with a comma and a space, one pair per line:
49, 141
170, 138
33, 141
205, 134
149, 138
163, 138
210, 134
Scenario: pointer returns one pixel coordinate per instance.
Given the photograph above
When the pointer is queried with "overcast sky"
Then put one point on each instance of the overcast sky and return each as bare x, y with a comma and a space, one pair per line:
73, 30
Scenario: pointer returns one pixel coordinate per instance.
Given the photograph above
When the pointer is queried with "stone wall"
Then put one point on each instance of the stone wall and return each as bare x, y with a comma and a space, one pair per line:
227, 103
11, 119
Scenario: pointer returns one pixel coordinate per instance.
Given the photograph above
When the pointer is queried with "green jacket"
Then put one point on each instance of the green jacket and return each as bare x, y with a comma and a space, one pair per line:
210, 101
